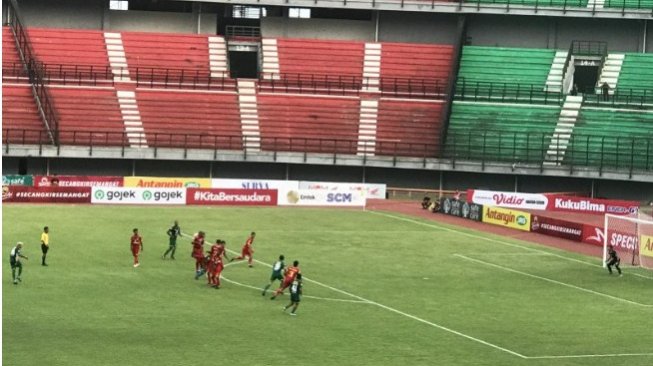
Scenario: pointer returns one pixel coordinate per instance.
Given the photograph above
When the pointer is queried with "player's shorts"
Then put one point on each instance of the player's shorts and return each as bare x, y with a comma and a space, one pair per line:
286, 283
295, 297
198, 256
217, 268
612, 262
276, 276
246, 252
15, 264
136, 249
44, 248
173, 242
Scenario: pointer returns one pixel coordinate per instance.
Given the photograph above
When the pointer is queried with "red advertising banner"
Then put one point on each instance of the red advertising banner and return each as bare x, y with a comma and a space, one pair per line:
558, 228
231, 197
77, 181
594, 235
46, 194
591, 205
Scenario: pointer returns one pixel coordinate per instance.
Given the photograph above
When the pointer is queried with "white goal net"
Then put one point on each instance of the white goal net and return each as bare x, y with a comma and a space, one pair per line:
632, 238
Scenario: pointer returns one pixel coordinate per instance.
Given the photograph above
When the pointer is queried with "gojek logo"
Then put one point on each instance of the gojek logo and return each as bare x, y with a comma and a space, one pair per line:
99, 194
147, 195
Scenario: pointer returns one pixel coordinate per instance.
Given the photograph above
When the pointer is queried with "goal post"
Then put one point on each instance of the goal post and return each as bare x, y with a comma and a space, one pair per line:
631, 237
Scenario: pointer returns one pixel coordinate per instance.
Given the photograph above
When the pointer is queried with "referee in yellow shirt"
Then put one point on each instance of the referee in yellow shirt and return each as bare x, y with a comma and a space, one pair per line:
45, 244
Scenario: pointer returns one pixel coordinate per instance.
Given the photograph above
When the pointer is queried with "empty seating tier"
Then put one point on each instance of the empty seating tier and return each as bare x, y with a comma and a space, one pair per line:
416, 61
308, 123
82, 48
88, 116
623, 136
636, 73
500, 132
19, 113
629, 4
304, 56
176, 52
505, 65
192, 119
9, 52
408, 128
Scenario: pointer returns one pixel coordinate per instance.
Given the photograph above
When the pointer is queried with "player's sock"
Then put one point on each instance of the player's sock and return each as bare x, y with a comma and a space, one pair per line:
13, 274
172, 255
618, 269
265, 290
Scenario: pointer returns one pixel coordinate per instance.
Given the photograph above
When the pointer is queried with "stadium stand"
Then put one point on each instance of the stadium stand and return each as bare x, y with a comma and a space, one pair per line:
629, 4
10, 54
69, 47
19, 112
307, 123
179, 53
303, 56
500, 132
88, 116
402, 63
409, 128
636, 73
526, 66
611, 137
539, 3
196, 119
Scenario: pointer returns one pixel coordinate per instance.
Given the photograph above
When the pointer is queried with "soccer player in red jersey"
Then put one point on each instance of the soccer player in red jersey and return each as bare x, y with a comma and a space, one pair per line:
289, 277
198, 253
247, 251
137, 246
216, 265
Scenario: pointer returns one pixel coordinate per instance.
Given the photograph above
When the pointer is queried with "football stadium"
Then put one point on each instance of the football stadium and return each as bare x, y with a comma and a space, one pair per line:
327, 182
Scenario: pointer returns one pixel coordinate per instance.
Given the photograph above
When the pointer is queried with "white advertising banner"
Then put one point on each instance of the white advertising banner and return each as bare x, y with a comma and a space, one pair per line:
143, 196
320, 197
254, 184
533, 201
373, 191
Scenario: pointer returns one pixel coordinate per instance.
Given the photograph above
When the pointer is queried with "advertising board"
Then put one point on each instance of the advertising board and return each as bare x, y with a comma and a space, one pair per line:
558, 228
46, 194
372, 191
533, 201
319, 197
159, 182
592, 205
77, 181
232, 197
507, 217
144, 196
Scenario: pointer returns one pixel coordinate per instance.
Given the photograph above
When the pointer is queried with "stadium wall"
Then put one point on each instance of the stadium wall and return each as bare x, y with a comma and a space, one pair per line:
156, 21
341, 29
80, 14
405, 178
423, 27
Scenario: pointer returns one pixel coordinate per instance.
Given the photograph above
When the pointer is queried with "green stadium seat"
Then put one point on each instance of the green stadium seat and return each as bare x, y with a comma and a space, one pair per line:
636, 73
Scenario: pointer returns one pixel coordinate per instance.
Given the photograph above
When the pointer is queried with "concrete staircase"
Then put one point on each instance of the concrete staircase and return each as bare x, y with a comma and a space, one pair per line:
117, 59
367, 127
249, 115
595, 4
131, 118
218, 57
270, 52
554, 79
372, 67
562, 133
611, 70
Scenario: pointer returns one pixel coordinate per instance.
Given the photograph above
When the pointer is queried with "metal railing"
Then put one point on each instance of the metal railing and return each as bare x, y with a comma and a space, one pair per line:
34, 73
622, 98
185, 141
106, 75
506, 93
589, 48
616, 153
243, 32
351, 84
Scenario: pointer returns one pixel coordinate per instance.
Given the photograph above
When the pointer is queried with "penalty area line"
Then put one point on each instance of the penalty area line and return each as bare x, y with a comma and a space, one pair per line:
552, 281
388, 308
441, 227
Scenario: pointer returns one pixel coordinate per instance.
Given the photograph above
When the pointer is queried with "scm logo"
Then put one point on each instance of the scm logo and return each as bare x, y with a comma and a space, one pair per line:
339, 197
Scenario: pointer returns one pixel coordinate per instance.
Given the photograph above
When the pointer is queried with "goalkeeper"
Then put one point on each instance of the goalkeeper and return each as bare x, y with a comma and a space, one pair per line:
613, 260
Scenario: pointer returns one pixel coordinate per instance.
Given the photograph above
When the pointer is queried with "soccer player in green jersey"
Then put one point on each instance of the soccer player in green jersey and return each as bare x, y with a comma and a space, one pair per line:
14, 261
295, 292
277, 273
173, 233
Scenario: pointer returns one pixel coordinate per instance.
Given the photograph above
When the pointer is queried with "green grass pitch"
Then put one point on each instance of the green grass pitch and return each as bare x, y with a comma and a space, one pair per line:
416, 293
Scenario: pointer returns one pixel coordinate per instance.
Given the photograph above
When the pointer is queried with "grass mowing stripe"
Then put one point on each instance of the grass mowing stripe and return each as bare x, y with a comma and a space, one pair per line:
477, 340
591, 356
553, 281
441, 227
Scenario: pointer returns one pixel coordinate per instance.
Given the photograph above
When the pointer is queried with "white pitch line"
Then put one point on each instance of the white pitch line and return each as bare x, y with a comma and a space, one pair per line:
496, 241
592, 356
553, 281
477, 340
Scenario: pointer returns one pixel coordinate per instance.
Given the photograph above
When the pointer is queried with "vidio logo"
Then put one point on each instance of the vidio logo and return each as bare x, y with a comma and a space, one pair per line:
99, 194
147, 195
